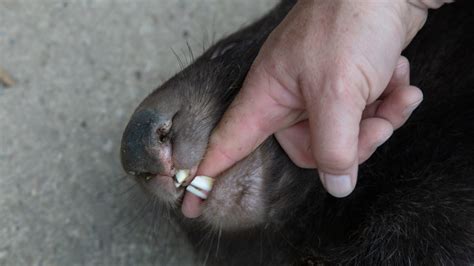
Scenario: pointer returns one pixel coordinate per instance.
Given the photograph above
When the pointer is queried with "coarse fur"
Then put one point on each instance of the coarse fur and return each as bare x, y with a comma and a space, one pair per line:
414, 201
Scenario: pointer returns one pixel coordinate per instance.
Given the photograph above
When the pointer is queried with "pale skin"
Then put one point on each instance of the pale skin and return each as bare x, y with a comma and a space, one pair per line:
331, 85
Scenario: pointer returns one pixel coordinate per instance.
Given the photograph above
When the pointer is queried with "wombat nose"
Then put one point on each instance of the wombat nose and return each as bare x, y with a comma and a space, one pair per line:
146, 147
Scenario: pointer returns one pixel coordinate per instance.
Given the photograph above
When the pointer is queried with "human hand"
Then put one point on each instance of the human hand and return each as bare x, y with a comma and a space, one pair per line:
330, 83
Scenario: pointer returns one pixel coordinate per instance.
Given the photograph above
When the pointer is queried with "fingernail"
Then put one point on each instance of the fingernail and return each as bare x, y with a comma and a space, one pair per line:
337, 185
378, 144
411, 108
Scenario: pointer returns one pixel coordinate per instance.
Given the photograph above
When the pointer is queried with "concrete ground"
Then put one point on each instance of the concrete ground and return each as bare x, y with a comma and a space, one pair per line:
80, 69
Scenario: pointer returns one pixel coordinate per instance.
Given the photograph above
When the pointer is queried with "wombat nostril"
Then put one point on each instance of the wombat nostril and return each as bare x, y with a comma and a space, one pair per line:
162, 138
162, 130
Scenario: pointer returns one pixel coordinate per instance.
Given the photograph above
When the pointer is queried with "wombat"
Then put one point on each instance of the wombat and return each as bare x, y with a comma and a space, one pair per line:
414, 201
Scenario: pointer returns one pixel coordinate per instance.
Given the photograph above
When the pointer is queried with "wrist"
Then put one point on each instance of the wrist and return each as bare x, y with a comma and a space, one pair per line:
414, 14
426, 4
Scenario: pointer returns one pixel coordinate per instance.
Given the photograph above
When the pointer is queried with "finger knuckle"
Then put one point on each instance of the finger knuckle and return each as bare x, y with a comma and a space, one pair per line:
348, 84
336, 160
403, 62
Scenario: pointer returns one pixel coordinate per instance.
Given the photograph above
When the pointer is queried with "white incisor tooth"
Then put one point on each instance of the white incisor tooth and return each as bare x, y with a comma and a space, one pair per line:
181, 175
203, 182
196, 192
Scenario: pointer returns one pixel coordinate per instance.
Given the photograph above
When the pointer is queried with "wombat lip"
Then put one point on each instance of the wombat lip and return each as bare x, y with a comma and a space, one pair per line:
158, 183
145, 176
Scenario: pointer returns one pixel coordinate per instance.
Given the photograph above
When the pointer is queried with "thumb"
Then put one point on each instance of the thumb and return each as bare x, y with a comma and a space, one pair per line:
334, 120
250, 119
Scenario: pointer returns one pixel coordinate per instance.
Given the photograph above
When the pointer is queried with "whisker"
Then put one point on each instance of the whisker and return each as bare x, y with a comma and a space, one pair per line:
205, 39
190, 51
123, 178
213, 30
134, 218
210, 246
180, 62
204, 237
127, 190
218, 239
156, 217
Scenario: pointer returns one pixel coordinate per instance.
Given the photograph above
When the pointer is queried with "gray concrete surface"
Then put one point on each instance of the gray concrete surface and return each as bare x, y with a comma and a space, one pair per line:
80, 69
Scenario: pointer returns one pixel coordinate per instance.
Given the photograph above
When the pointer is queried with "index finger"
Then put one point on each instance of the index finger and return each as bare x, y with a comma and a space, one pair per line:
251, 118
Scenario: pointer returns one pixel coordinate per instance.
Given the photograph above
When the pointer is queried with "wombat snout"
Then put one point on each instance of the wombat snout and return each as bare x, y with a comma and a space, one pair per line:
146, 145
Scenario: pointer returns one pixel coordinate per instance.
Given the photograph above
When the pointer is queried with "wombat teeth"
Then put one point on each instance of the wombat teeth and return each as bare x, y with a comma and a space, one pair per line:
196, 192
200, 186
203, 182
181, 175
